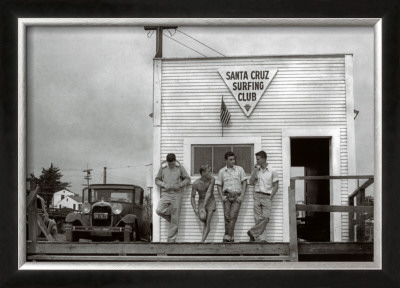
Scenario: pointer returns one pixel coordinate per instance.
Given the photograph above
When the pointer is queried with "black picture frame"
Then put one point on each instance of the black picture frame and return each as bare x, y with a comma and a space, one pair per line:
10, 11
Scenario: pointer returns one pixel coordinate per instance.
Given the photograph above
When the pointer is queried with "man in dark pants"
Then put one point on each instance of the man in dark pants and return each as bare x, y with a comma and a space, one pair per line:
172, 178
231, 184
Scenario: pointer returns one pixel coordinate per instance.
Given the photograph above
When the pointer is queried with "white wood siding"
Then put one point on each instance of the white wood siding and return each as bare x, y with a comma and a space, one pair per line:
68, 203
306, 91
58, 195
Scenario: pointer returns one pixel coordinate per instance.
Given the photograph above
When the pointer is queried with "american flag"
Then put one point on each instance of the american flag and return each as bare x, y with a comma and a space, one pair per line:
225, 115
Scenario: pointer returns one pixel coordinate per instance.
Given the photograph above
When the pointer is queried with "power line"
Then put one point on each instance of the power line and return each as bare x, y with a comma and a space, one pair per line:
127, 166
134, 178
184, 45
200, 42
127, 179
99, 175
122, 178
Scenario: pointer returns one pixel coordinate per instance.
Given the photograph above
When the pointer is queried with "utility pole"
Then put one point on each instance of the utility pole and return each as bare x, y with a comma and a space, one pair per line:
159, 30
88, 176
105, 175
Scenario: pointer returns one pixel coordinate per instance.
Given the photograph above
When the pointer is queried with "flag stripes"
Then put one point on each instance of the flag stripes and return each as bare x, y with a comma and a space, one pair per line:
225, 115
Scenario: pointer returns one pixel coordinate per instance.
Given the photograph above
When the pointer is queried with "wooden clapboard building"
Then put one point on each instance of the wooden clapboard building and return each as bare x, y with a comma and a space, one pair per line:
302, 116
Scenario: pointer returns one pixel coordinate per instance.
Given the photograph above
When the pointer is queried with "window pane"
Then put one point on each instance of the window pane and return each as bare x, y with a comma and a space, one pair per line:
138, 195
219, 157
201, 155
244, 157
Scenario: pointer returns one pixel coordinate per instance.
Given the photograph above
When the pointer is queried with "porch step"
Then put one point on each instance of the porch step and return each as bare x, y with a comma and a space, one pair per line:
158, 258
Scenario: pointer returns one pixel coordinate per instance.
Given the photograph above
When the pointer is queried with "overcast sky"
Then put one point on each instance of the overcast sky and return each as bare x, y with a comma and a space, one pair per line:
90, 90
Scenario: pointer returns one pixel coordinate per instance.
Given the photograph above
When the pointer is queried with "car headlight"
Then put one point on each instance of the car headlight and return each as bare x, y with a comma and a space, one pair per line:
85, 208
116, 208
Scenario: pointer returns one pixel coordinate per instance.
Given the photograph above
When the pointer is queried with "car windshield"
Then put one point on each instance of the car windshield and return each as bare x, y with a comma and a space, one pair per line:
111, 195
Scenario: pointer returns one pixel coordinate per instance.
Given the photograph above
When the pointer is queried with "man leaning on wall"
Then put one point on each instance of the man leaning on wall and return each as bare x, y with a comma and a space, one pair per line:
171, 178
265, 179
206, 206
231, 185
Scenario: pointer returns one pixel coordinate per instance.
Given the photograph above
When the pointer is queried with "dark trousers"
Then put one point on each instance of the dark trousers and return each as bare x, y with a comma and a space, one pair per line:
231, 212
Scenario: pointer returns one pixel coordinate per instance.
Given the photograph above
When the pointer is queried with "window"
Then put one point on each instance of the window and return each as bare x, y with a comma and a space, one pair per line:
112, 195
138, 196
214, 155
211, 150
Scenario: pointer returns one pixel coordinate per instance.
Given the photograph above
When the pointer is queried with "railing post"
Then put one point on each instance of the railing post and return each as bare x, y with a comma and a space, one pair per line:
127, 233
293, 245
356, 235
351, 221
361, 217
32, 213
68, 232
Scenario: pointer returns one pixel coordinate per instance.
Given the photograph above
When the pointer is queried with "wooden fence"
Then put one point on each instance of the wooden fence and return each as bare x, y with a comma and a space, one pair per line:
35, 217
351, 209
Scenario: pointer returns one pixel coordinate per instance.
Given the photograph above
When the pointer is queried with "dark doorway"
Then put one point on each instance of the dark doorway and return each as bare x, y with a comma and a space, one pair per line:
313, 155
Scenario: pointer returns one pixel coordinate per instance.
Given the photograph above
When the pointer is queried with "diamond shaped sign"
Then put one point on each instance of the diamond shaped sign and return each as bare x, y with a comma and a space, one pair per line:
247, 84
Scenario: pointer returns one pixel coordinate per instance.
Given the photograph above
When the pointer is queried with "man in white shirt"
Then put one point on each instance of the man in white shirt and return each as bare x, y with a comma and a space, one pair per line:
231, 184
266, 182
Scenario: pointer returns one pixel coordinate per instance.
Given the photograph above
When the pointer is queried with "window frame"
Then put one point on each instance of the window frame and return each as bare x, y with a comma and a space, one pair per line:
189, 141
140, 193
195, 173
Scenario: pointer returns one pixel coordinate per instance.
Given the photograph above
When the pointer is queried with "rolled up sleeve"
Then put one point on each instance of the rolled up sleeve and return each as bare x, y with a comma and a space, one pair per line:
220, 179
275, 177
242, 174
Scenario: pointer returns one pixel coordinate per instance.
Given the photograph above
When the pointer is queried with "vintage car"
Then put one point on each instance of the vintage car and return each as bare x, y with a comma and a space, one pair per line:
111, 212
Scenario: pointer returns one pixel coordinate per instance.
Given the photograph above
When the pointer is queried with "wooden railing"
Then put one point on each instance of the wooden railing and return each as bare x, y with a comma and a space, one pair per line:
31, 208
358, 219
359, 193
35, 221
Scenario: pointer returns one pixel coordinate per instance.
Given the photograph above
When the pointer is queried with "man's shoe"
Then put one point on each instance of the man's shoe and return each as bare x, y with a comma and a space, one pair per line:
225, 240
252, 239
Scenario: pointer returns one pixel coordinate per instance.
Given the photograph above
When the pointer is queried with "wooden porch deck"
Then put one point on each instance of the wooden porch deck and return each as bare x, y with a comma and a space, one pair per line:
199, 252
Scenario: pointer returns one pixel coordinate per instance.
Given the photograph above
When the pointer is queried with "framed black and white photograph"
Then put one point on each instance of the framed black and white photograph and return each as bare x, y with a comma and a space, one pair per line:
200, 143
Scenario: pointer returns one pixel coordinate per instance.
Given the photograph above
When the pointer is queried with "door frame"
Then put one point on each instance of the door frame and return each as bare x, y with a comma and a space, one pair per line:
333, 133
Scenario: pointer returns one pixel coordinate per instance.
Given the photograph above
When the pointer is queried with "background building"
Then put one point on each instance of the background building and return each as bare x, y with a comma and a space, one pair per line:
66, 199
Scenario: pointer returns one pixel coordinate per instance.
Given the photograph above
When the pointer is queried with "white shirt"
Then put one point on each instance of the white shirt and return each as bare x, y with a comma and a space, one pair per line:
231, 178
265, 179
